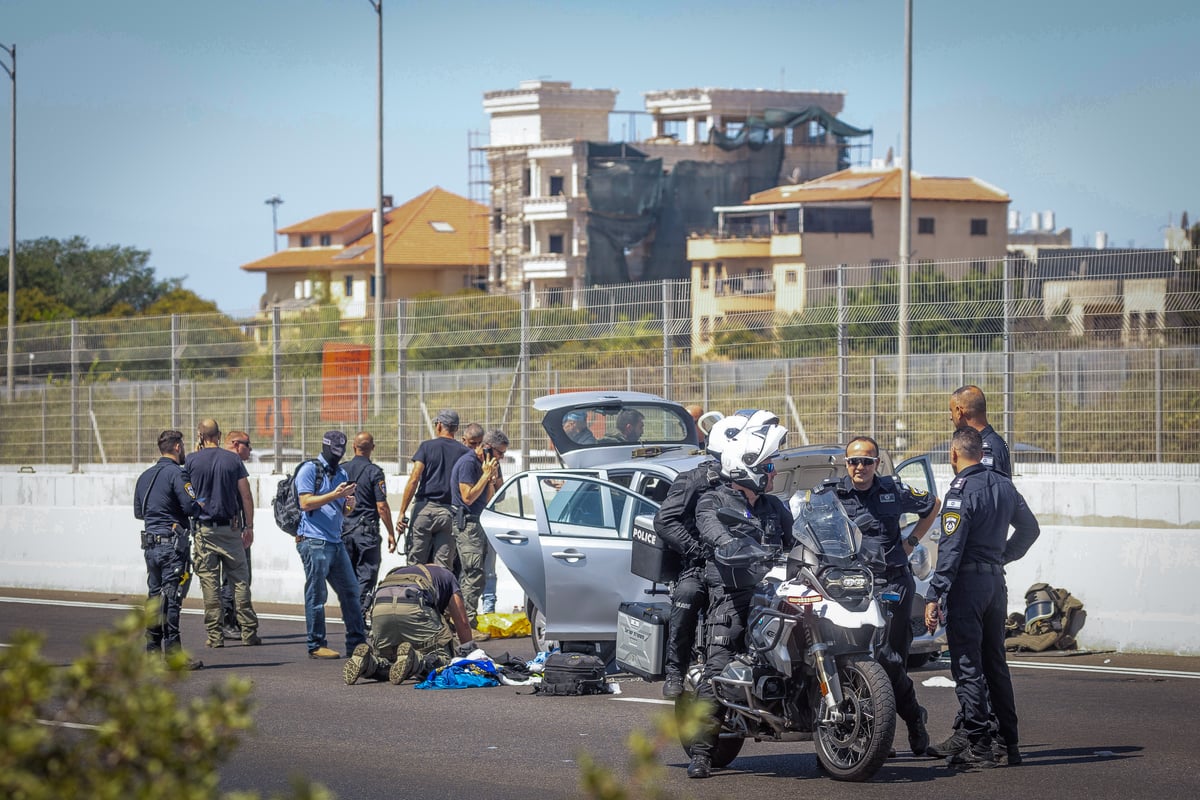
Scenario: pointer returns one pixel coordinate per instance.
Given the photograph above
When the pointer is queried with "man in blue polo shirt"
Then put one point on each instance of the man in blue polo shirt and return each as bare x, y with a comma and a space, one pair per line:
325, 497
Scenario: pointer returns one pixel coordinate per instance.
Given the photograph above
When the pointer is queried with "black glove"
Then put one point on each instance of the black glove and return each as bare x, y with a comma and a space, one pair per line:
466, 648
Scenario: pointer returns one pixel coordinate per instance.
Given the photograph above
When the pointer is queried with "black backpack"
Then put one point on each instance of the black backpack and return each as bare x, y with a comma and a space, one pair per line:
573, 674
287, 504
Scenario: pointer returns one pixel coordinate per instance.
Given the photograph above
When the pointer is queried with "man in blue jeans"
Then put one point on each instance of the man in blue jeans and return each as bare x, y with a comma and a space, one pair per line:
326, 496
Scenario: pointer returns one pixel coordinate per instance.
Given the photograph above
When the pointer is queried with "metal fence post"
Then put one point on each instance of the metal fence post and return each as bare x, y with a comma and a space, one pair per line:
74, 395
1158, 405
666, 338
401, 377
174, 371
874, 429
248, 418
137, 443
276, 390
1058, 391
842, 355
1008, 355
523, 377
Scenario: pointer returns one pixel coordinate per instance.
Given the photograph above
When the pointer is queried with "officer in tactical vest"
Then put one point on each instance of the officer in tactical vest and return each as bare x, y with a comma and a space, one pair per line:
747, 474
163, 499
980, 507
675, 522
409, 634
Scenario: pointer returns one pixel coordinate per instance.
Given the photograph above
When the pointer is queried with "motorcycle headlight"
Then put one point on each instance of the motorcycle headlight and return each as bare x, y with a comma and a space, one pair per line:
841, 583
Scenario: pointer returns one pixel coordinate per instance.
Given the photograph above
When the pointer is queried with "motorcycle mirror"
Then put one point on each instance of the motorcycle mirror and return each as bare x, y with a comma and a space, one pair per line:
731, 516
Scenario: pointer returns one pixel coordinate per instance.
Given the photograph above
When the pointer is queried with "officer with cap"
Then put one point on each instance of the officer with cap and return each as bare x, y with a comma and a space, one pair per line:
747, 474
969, 582
876, 503
326, 495
432, 527
163, 499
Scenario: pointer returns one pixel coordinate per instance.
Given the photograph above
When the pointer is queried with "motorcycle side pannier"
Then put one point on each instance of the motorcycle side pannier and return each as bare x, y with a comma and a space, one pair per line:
642, 638
650, 557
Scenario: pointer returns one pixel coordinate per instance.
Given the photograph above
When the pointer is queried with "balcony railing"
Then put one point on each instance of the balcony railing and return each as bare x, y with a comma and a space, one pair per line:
743, 285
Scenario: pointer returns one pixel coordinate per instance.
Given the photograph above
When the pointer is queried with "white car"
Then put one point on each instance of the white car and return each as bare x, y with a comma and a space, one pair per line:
565, 534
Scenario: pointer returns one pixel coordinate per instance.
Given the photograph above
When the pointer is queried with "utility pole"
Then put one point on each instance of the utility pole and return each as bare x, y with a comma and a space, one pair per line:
274, 202
378, 226
905, 234
11, 69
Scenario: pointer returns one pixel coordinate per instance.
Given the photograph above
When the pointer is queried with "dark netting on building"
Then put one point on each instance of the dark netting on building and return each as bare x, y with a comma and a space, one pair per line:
635, 205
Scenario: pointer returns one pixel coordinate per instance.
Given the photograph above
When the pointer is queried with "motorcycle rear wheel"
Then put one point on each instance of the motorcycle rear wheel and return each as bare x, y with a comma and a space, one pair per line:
723, 752
855, 749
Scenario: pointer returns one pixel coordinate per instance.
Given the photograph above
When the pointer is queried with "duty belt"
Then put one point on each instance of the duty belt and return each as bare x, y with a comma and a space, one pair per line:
215, 522
979, 566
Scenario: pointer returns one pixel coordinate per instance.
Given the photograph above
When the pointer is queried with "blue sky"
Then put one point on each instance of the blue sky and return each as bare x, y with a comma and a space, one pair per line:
165, 125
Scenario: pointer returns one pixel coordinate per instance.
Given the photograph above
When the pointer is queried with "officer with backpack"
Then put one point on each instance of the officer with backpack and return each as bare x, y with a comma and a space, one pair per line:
325, 496
978, 511
409, 634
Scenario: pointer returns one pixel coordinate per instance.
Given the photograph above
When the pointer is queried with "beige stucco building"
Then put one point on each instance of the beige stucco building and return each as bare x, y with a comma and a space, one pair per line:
543, 137
780, 251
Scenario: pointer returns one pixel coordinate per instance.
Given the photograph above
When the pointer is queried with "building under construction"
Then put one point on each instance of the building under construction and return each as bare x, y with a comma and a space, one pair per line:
572, 208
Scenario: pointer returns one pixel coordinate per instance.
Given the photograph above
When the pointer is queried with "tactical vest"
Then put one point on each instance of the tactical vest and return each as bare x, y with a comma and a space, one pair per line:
409, 584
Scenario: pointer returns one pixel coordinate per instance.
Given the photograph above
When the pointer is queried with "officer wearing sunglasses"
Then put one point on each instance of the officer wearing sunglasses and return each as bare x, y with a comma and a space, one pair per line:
876, 503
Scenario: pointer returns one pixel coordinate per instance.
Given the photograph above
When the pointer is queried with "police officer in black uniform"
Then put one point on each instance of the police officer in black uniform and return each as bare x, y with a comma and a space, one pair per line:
360, 526
876, 503
748, 476
675, 522
968, 406
980, 507
163, 499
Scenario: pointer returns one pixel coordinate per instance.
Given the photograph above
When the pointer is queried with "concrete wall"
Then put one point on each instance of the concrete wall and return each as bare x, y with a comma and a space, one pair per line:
1129, 550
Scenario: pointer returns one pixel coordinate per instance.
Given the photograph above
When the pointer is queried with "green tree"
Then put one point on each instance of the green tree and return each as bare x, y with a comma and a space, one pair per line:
91, 281
110, 726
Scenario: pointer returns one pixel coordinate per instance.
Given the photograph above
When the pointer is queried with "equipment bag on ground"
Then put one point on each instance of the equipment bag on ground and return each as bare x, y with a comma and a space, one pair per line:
573, 674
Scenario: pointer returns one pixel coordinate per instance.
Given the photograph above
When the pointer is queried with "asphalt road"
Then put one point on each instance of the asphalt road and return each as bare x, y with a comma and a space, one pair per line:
1101, 725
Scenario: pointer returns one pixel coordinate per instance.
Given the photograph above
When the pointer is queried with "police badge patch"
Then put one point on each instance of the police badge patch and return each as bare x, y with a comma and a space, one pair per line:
950, 522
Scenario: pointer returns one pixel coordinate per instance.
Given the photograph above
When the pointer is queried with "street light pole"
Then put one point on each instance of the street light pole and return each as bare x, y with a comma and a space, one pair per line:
12, 222
274, 202
378, 223
905, 232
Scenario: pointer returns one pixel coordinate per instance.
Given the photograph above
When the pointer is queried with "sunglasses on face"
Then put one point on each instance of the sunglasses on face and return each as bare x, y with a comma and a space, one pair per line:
861, 461
243, 443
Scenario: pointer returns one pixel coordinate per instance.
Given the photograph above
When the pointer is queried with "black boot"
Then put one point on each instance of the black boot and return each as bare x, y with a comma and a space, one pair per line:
700, 766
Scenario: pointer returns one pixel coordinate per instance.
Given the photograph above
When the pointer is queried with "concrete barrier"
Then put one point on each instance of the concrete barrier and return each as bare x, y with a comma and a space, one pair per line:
1128, 549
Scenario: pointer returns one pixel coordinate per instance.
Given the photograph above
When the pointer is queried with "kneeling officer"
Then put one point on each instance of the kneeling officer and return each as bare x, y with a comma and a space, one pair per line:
408, 626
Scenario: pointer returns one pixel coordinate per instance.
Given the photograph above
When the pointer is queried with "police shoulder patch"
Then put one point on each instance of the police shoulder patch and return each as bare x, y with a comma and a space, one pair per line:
187, 487
954, 503
914, 491
950, 522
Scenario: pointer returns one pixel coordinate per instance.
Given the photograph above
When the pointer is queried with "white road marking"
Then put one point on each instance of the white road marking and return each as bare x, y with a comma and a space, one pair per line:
126, 606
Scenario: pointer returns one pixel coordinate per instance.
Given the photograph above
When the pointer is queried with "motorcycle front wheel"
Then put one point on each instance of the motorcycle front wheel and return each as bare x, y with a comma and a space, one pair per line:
727, 747
854, 748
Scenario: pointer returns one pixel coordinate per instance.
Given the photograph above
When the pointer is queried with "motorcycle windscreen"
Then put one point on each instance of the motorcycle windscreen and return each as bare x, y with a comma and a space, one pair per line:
823, 528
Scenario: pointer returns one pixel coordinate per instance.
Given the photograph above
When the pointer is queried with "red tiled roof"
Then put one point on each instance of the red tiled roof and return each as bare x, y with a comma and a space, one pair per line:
410, 238
331, 222
880, 184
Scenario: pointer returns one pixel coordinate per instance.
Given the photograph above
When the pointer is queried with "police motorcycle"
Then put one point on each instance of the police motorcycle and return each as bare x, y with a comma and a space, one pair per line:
808, 673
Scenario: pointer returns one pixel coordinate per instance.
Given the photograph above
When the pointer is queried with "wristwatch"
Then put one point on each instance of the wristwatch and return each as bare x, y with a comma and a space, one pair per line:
913, 540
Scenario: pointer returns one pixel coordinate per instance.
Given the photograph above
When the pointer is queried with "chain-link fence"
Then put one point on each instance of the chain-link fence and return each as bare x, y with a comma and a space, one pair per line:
1086, 358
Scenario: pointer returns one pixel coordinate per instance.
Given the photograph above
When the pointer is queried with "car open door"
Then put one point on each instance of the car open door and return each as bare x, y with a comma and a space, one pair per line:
583, 528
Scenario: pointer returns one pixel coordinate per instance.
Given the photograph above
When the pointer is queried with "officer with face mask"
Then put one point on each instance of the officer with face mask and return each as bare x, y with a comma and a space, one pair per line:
326, 496
747, 474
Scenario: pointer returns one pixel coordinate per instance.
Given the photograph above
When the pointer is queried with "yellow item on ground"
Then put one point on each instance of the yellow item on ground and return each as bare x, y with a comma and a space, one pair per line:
503, 626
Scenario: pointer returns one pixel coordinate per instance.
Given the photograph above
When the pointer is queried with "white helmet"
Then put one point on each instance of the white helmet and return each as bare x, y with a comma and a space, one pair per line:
744, 455
725, 429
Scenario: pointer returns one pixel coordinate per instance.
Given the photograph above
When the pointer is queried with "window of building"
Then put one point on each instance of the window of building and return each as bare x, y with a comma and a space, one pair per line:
305, 240
349, 286
497, 220
705, 329
790, 277
326, 240
834, 219
925, 225
556, 243
704, 274
979, 227
526, 182
556, 185
441, 227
